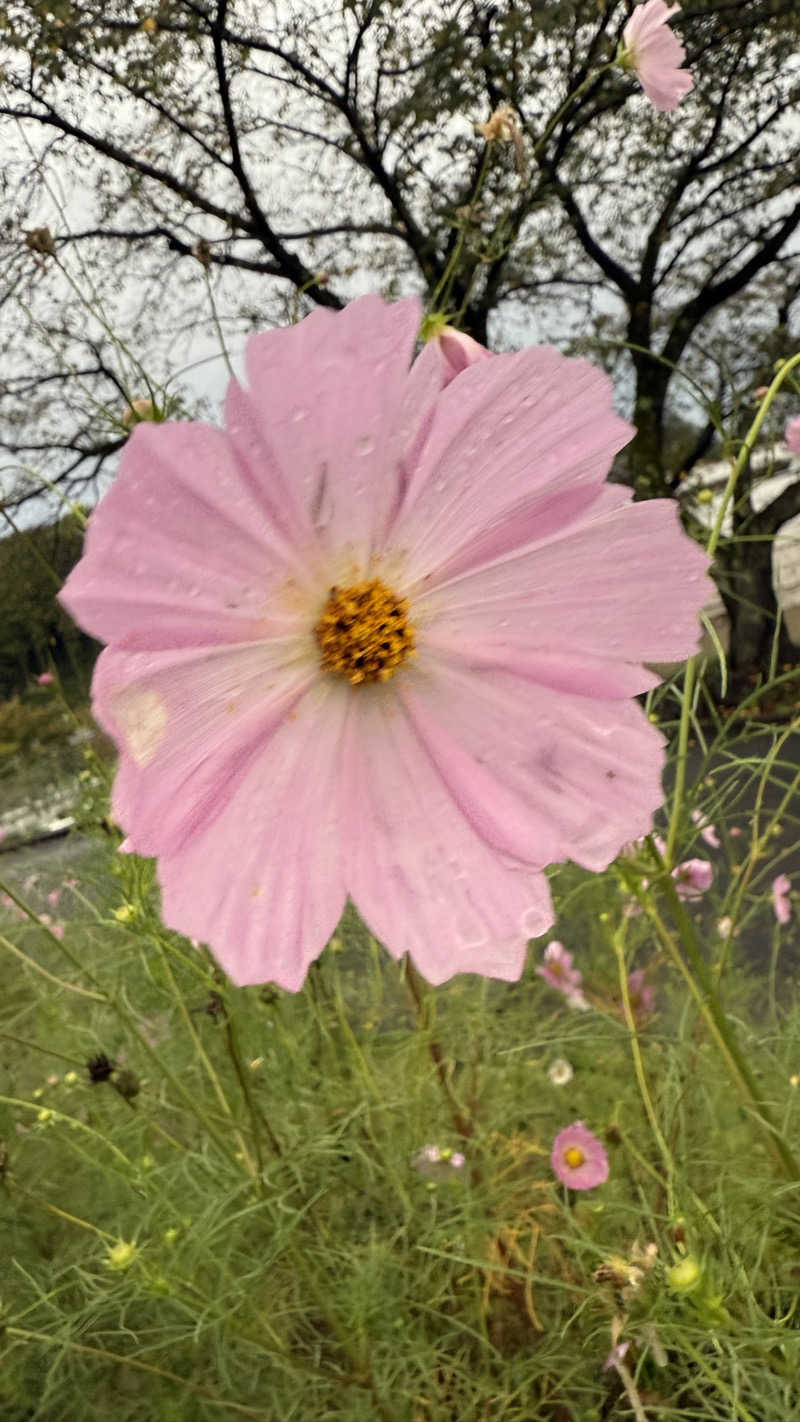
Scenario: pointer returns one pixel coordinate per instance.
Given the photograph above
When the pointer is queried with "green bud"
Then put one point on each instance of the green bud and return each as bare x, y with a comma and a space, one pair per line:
685, 1276
705, 496
121, 1256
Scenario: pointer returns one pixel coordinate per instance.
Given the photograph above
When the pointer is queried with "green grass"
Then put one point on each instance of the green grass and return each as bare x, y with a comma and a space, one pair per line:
256, 1149
332, 1280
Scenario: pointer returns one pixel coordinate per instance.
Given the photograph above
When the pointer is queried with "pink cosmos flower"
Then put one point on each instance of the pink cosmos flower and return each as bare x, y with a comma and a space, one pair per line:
457, 351
708, 832
578, 1158
641, 995
792, 434
378, 638
557, 970
616, 1356
781, 903
692, 878
655, 54
436, 1164
46, 679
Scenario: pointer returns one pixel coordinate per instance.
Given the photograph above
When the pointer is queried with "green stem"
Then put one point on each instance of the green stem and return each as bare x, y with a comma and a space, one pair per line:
698, 979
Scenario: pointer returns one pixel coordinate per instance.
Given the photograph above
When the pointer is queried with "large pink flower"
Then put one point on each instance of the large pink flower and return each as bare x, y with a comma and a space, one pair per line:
380, 639
655, 54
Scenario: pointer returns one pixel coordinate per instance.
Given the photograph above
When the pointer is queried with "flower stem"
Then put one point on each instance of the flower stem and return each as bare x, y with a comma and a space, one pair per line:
462, 1122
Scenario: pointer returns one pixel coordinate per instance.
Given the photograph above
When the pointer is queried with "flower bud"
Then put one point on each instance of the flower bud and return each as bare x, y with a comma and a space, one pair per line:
685, 1276
121, 1256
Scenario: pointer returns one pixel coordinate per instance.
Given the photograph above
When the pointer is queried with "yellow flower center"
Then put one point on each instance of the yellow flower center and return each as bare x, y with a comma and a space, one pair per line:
364, 632
574, 1157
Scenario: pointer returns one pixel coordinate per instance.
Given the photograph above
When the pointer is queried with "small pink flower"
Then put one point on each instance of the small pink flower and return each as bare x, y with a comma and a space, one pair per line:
342, 661
792, 435
692, 878
616, 1356
557, 970
46, 679
760, 391
641, 996
457, 351
781, 903
707, 831
655, 54
578, 1158
57, 931
436, 1164
54, 897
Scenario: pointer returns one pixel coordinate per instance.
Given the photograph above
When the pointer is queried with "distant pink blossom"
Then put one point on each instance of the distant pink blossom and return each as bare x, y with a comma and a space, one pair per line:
641, 995
557, 970
655, 54
359, 646
54, 897
578, 1158
57, 930
760, 391
781, 903
708, 832
457, 351
692, 878
616, 1356
45, 679
792, 434
436, 1164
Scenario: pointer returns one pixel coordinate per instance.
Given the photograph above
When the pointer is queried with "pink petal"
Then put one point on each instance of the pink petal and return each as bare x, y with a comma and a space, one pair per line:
781, 888
595, 593
541, 775
179, 553
189, 724
263, 883
657, 54
326, 396
457, 352
792, 434
422, 875
520, 445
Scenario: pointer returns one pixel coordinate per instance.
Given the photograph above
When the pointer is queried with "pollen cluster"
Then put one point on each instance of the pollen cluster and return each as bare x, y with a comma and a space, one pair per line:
364, 632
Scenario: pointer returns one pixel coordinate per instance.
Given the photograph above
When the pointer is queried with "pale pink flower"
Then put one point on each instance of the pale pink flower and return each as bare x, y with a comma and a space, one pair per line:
692, 878
557, 969
616, 1356
708, 831
381, 639
436, 1164
792, 434
760, 391
457, 351
57, 930
781, 903
641, 995
655, 54
578, 1158
46, 679
54, 897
